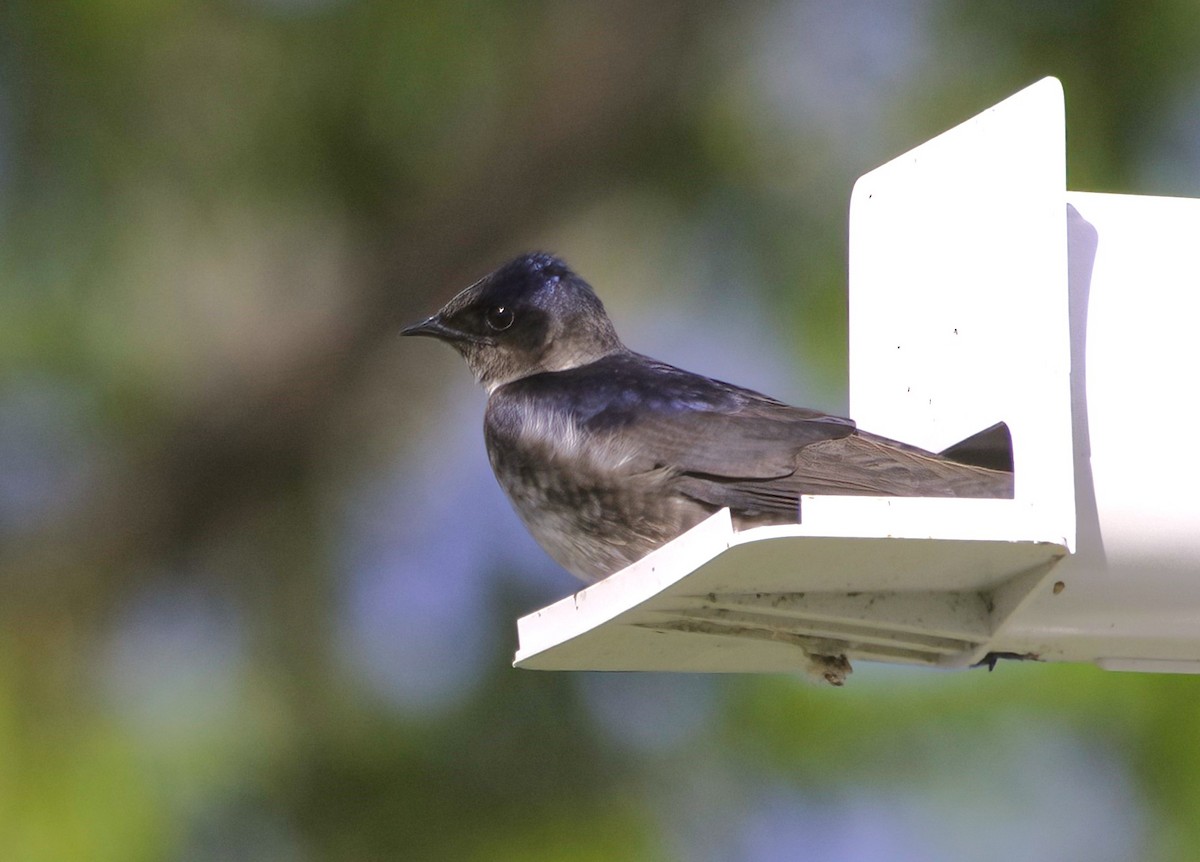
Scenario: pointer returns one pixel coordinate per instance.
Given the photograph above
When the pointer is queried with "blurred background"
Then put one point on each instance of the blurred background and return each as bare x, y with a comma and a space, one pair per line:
257, 583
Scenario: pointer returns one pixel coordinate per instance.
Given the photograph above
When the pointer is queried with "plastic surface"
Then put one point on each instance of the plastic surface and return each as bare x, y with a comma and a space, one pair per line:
958, 312
1131, 593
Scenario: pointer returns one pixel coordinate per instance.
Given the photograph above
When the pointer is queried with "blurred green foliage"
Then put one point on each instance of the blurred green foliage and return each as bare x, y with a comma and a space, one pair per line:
214, 216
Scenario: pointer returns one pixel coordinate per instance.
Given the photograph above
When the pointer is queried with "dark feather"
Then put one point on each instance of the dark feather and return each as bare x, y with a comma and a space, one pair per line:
728, 446
687, 422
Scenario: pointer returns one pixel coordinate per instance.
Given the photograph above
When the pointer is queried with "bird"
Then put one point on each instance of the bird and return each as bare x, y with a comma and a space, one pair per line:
607, 454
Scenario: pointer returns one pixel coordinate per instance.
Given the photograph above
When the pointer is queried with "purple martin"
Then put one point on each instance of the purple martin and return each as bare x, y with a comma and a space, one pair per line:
607, 454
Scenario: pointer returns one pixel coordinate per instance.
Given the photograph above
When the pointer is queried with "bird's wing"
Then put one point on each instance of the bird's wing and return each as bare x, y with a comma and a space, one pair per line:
726, 446
760, 469
749, 444
720, 444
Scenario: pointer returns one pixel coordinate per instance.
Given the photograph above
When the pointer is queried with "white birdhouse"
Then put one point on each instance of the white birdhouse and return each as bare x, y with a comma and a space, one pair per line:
981, 291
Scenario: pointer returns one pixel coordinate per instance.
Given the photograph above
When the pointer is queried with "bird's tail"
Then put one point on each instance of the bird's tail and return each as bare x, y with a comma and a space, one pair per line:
990, 448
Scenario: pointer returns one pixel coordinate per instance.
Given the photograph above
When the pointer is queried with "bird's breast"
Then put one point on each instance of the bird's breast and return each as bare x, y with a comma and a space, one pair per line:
586, 496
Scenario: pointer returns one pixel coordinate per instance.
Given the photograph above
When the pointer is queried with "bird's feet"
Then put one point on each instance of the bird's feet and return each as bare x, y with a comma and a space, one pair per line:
832, 669
989, 660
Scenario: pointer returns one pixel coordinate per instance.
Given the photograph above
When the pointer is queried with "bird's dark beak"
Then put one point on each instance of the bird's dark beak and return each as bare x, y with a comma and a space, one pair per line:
434, 327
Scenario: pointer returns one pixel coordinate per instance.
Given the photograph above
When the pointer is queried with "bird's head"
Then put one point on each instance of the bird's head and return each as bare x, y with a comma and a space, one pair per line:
531, 315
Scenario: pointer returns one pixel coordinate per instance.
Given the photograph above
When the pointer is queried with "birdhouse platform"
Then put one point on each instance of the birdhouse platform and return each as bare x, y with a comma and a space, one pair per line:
981, 291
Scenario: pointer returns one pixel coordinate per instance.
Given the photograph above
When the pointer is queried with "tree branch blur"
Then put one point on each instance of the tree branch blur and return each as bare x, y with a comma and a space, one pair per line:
583, 96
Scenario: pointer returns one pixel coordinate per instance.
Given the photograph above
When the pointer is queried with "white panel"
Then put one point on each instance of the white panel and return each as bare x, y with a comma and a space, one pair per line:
958, 312
1143, 361
1132, 592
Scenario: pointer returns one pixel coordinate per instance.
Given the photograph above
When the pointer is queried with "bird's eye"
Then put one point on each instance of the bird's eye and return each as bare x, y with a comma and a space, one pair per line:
499, 317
